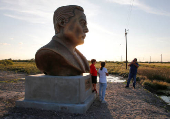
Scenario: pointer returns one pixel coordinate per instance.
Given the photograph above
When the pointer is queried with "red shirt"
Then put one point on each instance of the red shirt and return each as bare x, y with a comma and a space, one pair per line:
93, 70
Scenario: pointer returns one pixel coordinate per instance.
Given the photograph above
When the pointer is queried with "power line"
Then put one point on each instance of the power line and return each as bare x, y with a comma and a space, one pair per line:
129, 14
130, 11
128, 19
126, 46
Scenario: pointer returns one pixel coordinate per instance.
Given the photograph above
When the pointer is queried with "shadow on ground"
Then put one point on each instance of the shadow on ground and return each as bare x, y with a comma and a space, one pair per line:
96, 111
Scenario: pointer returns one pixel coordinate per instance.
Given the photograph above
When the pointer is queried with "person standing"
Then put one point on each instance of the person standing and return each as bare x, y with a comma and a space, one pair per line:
93, 73
102, 81
132, 73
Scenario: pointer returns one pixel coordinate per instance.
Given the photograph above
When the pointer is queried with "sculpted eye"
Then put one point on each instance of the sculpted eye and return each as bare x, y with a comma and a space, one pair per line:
83, 23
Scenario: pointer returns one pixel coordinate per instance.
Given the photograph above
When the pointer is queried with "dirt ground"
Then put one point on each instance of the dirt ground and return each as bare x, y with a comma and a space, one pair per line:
121, 103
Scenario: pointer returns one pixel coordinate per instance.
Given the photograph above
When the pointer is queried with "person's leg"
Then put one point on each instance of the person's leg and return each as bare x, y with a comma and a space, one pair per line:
94, 81
104, 90
129, 78
93, 86
100, 91
134, 80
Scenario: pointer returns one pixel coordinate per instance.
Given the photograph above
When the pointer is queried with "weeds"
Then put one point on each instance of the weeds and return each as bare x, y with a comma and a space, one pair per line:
11, 81
156, 84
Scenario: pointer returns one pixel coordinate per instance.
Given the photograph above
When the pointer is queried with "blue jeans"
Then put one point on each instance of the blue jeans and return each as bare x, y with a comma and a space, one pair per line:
102, 90
131, 75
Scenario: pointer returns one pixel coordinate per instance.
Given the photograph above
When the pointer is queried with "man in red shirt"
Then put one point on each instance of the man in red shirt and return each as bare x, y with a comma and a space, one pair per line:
93, 73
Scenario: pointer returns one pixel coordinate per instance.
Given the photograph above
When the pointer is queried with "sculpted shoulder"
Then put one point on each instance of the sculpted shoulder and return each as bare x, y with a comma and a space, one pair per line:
55, 59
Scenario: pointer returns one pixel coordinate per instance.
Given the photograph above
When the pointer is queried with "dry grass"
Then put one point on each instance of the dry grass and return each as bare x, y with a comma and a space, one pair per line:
157, 74
155, 85
165, 65
27, 67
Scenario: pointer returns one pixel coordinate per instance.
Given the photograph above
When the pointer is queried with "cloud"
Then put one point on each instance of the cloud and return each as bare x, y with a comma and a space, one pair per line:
12, 38
37, 45
4, 44
123, 2
30, 11
40, 11
20, 43
142, 6
31, 19
100, 28
151, 10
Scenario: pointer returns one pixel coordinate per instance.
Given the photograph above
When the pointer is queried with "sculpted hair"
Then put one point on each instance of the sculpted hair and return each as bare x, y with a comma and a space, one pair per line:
93, 60
63, 14
102, 65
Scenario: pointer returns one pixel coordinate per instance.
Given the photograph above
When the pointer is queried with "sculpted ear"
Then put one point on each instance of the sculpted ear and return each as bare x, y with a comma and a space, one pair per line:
62, 22
59, 25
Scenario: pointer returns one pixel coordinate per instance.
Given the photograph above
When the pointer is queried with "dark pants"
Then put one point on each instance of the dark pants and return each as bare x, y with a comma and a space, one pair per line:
131, 75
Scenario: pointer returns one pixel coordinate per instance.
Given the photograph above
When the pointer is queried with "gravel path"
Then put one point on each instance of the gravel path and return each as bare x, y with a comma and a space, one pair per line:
121, 103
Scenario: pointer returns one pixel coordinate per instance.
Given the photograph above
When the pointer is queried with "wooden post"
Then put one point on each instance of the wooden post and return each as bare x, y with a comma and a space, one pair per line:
126, 47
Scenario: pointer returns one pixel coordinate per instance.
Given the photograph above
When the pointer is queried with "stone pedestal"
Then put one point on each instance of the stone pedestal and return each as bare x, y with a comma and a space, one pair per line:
71, 94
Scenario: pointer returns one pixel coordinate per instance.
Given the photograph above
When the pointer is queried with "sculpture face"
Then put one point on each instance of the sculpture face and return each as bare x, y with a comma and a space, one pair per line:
75, 30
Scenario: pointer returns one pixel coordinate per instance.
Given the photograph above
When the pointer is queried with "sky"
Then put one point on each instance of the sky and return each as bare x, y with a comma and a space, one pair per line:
27, 25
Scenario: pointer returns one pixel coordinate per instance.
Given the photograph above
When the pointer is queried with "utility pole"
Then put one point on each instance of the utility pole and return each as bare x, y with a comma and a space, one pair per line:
150, 59
126, 47
161, 58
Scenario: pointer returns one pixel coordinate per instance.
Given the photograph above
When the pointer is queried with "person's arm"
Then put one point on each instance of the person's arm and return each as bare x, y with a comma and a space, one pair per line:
130, 63
136, 65
107, 74
91, 70
98, 73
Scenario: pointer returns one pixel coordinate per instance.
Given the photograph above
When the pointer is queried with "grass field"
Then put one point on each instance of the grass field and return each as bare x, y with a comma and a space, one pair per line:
154, 75
27, 67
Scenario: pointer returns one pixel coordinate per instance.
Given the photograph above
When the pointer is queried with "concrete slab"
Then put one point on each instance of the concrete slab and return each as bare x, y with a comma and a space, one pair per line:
69, 108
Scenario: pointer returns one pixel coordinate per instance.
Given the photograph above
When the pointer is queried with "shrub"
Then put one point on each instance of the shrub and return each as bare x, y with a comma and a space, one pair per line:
155, 84
147, 83
6, 62
160, 85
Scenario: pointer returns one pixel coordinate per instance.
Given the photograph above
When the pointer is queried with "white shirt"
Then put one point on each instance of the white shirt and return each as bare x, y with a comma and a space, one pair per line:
102, 75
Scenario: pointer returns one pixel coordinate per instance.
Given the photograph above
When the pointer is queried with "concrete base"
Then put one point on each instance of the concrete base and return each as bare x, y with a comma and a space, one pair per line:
70, 108
71, 94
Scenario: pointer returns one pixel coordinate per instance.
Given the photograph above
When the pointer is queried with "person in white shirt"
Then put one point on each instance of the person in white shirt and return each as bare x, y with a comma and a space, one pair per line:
102, 81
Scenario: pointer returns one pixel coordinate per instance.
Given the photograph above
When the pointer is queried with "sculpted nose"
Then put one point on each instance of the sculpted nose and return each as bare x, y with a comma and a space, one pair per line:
86, 30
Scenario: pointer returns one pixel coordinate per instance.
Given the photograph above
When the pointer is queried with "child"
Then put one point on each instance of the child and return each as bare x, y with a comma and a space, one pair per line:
102, 81
93, 73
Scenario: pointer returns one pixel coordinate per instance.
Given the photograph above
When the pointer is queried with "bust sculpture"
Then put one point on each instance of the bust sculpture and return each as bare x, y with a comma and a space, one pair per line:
60, 57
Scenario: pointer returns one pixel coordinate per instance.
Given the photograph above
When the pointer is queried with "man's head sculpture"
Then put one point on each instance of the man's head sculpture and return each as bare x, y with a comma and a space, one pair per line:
60, 57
